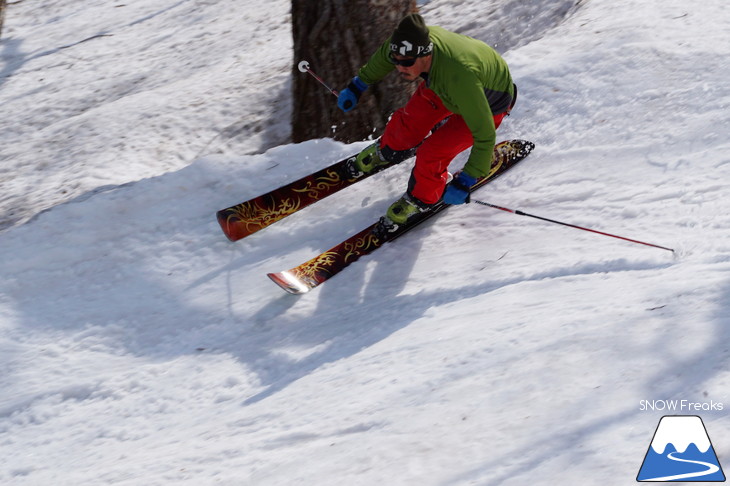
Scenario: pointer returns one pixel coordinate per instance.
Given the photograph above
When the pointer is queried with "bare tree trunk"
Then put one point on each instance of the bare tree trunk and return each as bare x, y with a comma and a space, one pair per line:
3, 3
337, 37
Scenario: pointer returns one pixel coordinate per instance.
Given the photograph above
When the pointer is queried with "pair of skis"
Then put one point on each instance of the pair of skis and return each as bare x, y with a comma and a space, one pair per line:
253, 215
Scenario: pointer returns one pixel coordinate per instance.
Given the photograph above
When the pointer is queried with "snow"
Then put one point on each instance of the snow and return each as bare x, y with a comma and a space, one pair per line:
689, 430
140, 347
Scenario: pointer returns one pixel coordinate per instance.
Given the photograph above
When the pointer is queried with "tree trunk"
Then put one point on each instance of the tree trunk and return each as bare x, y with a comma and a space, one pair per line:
337, 37
3, 3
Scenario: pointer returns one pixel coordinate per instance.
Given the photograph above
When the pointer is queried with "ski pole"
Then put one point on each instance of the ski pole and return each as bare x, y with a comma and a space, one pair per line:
304, 67
522, 213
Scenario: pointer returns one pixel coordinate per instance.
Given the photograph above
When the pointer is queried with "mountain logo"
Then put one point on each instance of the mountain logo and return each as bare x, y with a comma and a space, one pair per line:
680, 451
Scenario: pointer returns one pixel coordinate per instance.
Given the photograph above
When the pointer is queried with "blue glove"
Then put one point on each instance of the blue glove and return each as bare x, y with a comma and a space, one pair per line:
349, 96
457, 192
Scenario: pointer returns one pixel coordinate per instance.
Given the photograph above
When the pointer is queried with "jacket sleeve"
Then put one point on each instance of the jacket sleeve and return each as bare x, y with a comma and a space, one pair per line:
378, 66
468, 96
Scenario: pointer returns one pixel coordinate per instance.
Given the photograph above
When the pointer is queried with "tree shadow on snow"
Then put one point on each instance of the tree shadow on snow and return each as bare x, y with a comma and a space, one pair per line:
151, 315
385, 311
678, 379
366, 292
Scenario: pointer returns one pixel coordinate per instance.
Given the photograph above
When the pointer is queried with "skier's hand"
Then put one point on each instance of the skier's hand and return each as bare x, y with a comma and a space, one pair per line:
457, 192
349, 96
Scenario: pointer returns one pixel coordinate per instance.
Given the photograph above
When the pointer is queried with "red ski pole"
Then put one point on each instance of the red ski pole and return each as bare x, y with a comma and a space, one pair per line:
304, 67
522, 213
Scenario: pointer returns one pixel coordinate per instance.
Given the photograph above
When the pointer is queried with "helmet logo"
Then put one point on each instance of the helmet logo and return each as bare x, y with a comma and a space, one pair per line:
407, 47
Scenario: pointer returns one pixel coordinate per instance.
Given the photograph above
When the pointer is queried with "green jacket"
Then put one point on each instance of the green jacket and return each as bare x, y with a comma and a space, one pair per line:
471, 79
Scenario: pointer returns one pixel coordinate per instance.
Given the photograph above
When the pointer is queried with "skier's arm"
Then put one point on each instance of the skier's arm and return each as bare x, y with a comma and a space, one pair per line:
378, 66
375, 70
472, 105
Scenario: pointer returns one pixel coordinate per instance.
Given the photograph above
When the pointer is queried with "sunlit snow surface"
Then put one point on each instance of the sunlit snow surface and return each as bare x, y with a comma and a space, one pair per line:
139, 347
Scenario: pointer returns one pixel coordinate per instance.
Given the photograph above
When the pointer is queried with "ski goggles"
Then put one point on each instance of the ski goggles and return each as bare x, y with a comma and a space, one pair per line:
403, 62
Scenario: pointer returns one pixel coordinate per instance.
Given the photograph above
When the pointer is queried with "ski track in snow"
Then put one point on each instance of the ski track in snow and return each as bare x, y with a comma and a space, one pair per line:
139, 346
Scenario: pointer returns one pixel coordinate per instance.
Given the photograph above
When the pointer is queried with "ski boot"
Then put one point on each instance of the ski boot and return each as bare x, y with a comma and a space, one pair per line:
405, 208
401, 212
365, 162
374, 158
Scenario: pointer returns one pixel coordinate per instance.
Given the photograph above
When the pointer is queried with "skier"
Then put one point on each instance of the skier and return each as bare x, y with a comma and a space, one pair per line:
466, 91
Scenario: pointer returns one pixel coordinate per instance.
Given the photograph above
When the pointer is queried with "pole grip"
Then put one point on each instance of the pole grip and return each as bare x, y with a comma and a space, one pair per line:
303, 66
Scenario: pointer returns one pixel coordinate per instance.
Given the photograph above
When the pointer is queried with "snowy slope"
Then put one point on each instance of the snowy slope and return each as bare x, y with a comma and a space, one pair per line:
98, 92
140, 347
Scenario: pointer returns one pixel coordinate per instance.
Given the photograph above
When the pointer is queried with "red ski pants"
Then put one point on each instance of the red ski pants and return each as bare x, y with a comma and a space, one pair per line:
411, 124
